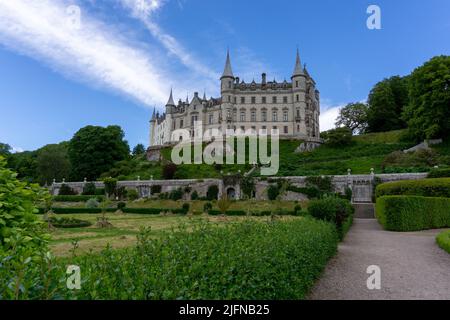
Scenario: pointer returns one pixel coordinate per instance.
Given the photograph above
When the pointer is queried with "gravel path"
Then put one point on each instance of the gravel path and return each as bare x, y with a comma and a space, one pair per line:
412, 265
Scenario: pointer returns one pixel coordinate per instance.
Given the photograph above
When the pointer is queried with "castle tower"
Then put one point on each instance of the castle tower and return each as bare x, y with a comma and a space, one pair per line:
152, 128
226, 89
299, 97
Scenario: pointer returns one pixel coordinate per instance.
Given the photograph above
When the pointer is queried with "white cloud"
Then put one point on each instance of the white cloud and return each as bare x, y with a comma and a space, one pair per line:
17, 149
94, 53
329, 115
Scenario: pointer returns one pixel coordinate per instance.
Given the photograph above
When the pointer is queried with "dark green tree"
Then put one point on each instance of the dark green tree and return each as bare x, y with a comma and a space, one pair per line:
138, 150
25, 164
94, 150
337, 137
354, 117
53, 163
5, 149
428, 112
387, 100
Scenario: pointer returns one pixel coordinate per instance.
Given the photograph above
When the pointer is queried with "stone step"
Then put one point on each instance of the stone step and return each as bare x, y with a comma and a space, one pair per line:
364, 210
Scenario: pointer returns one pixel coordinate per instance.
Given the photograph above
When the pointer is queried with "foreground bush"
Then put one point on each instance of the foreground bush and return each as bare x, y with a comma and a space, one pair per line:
336, 210
443, 240
413, 213
246, 260
426, 188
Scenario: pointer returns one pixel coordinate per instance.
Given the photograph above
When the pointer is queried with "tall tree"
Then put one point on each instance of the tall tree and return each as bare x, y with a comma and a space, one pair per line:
428, 112
53, 163
354, 117
387, 100
138, 150
94, 150
5, 149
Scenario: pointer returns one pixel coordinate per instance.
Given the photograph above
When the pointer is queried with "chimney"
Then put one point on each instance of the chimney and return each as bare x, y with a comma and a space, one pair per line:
263, 78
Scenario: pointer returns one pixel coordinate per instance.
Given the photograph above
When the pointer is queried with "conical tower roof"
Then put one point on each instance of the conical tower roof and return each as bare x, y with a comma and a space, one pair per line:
170, 102
228, 72
298, 70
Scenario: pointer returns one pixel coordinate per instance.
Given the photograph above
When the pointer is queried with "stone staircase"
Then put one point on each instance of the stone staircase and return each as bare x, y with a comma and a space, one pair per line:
364, 210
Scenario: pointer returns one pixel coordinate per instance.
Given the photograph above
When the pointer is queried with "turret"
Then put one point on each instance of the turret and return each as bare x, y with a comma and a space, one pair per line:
170, 105
227, 76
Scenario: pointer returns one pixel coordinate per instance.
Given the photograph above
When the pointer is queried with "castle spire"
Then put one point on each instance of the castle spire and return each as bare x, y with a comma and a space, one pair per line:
298, 70
227, 72
170, 102
204, 95
154, 114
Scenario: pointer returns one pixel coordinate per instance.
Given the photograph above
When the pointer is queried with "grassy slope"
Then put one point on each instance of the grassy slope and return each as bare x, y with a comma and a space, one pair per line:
366, 152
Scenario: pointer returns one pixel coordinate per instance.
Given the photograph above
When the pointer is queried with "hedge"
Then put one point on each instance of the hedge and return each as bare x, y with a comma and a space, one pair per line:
439, 173
154, 210
76, 210
413, 213
439, 187
228, 213
69, 223
249, 260
443, 240
77, 198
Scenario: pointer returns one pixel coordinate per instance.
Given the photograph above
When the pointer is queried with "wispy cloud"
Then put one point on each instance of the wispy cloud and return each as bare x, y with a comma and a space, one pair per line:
94, 52
329, 114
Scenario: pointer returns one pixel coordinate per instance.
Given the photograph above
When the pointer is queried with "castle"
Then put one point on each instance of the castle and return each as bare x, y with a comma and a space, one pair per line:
291, 107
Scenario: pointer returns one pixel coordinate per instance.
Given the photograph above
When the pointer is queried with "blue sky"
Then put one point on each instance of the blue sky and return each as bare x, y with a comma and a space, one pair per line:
121, 60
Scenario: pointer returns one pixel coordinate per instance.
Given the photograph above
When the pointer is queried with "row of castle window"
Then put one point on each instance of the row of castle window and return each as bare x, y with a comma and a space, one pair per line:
263, 99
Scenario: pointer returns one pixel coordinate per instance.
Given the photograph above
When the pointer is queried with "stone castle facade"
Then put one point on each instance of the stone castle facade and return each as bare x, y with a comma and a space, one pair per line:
291, 107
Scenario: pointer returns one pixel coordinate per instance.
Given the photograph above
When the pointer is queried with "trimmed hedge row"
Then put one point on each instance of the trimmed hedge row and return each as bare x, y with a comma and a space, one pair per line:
443, 240
124, 210
413, 213
438, 187
248, 260
439, 173
78, 198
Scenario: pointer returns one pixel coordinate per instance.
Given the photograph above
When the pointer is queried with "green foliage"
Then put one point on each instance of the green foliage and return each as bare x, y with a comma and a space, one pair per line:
354, 117
194, 195
207, 206
132, 194
439, 187
121, 205
443, 240
89, 189
185, 207
387, 100
311, 192
413, 213
92, 203
154, 189
110, 186
169, 170
428, 112
417, 159
176, 194
248, 186
25, 164
53, 163
335, 210
94, 150
273, 191
227, 212
439, 173
77, 198
5, 149
62, 222
338, 137
323, 183
223, 204
138, 150
65, 190
212, 193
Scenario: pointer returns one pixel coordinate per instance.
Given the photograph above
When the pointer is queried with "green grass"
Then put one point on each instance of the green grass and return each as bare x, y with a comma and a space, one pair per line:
443, 240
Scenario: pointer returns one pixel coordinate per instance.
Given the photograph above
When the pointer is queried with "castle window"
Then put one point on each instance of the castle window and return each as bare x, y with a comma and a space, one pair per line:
264, 100
229, 98
253, 116
243, 100
274, 99
298, 112
286, 130
253, 100
242, 116
285, 116
298, 128
285, 100
243, 129
234, 116
181, 123
229, 84
296, 83
264, 116
274, 116
298, 98
211, 118
234, 100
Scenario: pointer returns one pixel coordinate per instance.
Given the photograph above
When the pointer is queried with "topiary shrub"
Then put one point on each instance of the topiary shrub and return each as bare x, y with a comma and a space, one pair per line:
439, 187
176, 194
273, 191
110, 186
63, 222
194, 195
413, 213
65, 190
89, 189
92, 203
132, 194
212, 193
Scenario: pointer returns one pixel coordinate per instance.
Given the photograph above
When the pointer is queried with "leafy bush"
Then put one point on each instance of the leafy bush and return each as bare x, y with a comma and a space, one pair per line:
337, 137
92, 203
121, 205
413, 213
439, 173
323, 183
154, 189
176, 194
59, 222
89, 189
333, 209
169, 170
194, 195
100, 192
273, 191
132, 194
443, 240
439, 187
77, 198
110, 186
207, 206
212, 193
65, 190
185, 207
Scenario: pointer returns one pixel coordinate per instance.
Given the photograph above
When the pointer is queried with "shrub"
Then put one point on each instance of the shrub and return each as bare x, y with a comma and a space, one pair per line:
65, 190
59, 222
169, 170
92, 203
176, 194
100, 192
121, 193
323, 183
332, 209
439, 173
76, 198
337, 137
121, 205
439, 187
311, 192
207, 206
194, 195
273, 191
89, 189
132, 194
443, 240
212, 192
185, 207
413, 213
154, 189
110, 186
